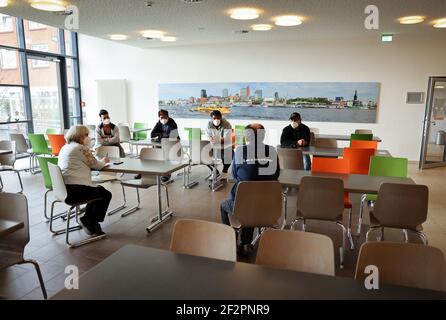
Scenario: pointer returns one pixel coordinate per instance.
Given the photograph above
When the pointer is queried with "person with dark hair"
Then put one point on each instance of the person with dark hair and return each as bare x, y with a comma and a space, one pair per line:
107, 133
254, 161
297, 135
219, 132
166, 127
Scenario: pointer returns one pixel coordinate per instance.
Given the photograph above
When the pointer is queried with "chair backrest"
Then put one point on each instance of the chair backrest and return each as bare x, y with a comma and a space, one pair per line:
321, 198
151, 154
59, 188
363, 137
297, 251
14, 208
364, 144
404, 264
363, 131
326, 143
359, 159
312, 138
314, 130
331, 165
204, 239
124, 134
107, 151
51, 131
401, 205
290, 159
38, 144
43, 163
20, 142
140, 135
57, 141
258, 203
172, 149
389, 167
8, 159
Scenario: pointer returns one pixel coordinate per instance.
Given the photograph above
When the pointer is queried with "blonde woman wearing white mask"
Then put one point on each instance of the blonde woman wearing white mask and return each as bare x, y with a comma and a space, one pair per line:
107, 133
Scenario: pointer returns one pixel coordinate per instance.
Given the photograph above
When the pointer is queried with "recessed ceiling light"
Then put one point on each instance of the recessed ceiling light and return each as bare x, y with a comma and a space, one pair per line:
411, 20
288, 21
261, 27
49, 5
169, 39
154, 34
3, 3
244, 14
440, 23
118, 37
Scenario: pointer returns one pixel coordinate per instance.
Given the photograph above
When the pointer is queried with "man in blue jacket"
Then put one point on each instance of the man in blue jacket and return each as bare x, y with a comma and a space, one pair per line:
255, 161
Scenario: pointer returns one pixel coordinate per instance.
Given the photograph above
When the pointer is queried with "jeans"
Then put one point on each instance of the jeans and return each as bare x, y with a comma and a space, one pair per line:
96, 210
226, 208
307, 162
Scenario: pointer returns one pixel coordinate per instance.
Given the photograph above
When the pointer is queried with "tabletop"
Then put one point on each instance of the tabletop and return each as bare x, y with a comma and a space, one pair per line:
149, 167
142, 273
7, 227
3, 152
335, 152
340, 137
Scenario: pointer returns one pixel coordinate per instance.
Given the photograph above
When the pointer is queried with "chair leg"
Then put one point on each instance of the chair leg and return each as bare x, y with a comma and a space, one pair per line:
82, 242
341, 248
112, 212
361, 213
45, 201
406, 236
167, 198
285, 208
423, 237
52, 218
39, 274
1, 184
304, 225
381, 236
134, 209
20, 180
349, 230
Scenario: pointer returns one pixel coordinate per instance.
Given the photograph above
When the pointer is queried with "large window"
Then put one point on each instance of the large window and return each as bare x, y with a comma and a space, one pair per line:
39, 77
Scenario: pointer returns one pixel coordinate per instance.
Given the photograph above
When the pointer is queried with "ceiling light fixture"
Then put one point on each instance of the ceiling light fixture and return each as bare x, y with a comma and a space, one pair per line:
288, 21
440, 23
153, 34
118, 37
49, 5
169, 39
3, 3
261, 27
244, 14
411, 20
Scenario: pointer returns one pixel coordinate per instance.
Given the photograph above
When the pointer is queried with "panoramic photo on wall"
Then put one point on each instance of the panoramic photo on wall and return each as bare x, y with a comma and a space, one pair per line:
323, 102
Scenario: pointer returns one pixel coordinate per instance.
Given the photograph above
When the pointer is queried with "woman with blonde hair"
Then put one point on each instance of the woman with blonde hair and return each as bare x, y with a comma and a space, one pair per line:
76, 162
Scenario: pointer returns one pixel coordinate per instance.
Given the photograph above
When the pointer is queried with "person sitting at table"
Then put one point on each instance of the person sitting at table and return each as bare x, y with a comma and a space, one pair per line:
297, 135
107, 133
254, 161
76, 162
166, 127
219, 132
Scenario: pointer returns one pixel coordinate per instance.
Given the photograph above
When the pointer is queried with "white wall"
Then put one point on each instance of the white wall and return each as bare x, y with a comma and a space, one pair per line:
404, 65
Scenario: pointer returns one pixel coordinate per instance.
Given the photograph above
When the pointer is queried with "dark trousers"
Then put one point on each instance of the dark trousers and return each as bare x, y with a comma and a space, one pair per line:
96, 210
307, 162
226, 160
226, 209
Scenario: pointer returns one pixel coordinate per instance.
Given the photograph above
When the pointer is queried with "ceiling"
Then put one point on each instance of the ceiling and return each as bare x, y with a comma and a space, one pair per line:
208, 22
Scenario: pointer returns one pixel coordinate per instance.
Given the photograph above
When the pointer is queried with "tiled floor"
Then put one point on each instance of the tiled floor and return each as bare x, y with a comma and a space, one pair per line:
20, 282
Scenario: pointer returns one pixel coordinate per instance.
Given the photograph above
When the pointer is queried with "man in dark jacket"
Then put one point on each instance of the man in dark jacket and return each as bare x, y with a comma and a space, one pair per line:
297, 135
246, 168
165, 128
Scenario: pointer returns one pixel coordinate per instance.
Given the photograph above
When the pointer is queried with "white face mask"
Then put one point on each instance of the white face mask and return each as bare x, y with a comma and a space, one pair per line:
106, 122
294, 124
216, 122
164, 121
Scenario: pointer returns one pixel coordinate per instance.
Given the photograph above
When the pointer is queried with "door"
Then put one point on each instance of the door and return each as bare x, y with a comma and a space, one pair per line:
46, 95
433, 152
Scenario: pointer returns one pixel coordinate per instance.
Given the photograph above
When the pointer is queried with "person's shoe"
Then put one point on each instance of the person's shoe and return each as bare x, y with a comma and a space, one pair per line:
87, 226
165, 179
98, 229
224, 176
218, 176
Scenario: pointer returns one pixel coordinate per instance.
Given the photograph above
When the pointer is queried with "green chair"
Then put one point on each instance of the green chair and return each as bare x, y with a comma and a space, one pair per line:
43, 163
39, 146
52, 131
240, 138
362, 137
140, 135
194, 133
382, 167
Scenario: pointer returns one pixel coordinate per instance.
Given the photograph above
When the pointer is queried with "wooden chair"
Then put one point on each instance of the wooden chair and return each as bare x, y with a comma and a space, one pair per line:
363, 131
297, 251
204, 239
404, 264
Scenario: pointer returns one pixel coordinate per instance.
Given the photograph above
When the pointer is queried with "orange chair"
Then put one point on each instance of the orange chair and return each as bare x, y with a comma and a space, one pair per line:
57, 141
359, 159
333, 165
364, 144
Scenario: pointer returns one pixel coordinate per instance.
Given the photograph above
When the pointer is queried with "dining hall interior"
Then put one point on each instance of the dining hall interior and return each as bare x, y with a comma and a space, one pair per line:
222, 150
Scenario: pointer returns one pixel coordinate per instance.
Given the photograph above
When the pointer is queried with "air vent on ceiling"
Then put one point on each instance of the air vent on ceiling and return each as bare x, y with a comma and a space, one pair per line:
192, 1
241, 31
415, 98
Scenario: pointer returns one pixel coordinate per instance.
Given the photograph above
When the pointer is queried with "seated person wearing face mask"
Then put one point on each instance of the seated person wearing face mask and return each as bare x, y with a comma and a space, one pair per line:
107, 133
219, 132
297, 135
166, 127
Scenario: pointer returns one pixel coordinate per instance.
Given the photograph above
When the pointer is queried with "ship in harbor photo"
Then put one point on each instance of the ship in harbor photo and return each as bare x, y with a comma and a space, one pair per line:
323, 102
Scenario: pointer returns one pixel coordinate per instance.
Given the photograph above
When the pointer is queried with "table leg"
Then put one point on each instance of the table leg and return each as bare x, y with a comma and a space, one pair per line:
216, 184
161, 217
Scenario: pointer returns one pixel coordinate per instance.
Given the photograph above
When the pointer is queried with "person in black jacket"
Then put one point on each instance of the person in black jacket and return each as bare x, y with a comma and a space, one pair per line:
165, 128
297, 135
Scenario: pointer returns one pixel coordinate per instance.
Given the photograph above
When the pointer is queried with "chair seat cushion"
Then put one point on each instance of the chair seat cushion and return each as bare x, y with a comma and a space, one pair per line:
140, 183
6, 168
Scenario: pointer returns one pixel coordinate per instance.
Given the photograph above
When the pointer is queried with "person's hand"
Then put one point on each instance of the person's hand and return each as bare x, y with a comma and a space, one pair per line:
106, 160
301, 142
212, 139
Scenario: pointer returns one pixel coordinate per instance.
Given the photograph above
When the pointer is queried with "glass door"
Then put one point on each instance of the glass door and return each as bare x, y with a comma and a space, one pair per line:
433, 153
46, 95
